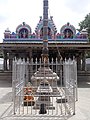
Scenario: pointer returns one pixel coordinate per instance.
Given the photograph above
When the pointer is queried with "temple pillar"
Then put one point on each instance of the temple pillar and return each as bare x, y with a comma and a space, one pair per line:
30, 53
83, 61
10, 64
31, 65
10, 61
5, 61
79, 62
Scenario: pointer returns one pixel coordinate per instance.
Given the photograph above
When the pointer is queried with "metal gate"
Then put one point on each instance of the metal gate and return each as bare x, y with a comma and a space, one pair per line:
40, 91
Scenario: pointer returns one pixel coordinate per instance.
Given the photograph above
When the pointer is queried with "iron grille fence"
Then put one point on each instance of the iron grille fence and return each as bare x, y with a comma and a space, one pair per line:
44, 91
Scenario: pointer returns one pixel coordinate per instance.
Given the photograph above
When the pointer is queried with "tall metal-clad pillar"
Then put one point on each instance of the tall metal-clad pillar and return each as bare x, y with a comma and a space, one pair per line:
45, 31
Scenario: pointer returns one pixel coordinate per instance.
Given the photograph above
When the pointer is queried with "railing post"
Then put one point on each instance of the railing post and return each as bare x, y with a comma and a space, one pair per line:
14, 84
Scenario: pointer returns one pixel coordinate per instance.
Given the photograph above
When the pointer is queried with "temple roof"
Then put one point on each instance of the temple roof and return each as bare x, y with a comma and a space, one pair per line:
68, 26
23, 33
51, 25
23, 25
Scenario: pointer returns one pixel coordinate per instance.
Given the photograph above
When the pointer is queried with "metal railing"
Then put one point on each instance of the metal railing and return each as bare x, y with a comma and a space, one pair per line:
40, 91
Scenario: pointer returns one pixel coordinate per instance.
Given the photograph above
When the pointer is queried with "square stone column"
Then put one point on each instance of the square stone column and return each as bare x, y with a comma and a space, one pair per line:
5, 61
79, 63
11, 56
83, 61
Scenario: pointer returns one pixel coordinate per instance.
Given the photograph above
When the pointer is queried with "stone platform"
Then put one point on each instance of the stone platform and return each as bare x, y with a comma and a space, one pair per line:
44, 73
82, 105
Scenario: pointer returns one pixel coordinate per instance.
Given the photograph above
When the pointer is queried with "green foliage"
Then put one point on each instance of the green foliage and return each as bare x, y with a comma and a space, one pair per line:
88, 54
85, 24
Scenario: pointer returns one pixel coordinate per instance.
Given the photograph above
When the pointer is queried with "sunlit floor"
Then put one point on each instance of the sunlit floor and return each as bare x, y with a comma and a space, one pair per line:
82, 105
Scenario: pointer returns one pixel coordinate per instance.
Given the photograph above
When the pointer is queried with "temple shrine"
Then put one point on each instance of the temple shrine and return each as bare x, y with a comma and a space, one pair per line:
24, 44
44, 65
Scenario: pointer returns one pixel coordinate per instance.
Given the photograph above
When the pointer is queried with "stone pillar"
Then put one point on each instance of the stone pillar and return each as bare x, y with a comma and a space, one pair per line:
10, 64
5, 61
79, 62
83, 61
10, 61
31, 65
30, 53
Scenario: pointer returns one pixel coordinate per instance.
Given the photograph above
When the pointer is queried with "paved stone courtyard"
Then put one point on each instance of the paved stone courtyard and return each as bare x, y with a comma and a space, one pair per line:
82, 105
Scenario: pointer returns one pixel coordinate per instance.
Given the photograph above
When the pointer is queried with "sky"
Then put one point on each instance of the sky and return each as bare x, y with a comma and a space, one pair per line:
14, 12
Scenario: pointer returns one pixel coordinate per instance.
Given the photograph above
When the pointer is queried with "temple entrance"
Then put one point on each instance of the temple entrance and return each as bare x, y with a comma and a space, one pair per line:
44, 91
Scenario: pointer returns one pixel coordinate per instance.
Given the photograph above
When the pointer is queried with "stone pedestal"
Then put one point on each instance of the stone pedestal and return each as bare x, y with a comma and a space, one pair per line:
47, 74
44, 92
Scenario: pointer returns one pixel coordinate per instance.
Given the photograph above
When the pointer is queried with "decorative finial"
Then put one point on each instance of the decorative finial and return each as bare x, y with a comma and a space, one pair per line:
68, 23
40, 18
24, 23
51, 17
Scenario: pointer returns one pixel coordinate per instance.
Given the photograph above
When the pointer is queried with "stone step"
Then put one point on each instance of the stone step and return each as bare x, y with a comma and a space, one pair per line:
83, 76
35, 118
6, 75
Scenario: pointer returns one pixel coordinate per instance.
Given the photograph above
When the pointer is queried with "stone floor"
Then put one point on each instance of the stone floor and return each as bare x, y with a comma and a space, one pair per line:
82, 105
